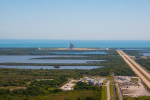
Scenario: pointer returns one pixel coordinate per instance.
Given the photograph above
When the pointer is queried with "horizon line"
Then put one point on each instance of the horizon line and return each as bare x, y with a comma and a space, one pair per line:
84, 39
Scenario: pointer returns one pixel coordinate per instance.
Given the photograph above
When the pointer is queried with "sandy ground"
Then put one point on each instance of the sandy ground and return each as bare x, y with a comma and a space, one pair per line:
108, 91
136, 91
69, 49
12, 88
68, 86
134, 68
133, 89
18, 88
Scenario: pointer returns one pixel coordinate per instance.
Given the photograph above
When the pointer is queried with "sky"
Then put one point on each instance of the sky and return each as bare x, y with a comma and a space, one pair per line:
75, 19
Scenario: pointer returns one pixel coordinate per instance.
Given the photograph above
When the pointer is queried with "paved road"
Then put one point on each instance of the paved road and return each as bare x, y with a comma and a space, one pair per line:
136, 65
108, 91
134, 68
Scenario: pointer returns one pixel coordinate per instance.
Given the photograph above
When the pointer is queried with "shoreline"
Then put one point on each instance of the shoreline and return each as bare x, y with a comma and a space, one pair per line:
72, 49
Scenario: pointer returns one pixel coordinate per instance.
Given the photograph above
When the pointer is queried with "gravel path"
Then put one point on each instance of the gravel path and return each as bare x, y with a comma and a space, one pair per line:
108, 91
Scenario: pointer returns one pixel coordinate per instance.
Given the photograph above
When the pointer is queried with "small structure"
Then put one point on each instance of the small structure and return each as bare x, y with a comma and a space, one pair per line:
101, 81
98, 84
93, 81
85, 78
71, 46
68, 86
130, 88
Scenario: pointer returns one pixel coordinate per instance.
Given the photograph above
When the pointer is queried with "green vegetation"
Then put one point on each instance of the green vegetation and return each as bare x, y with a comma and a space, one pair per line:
84, 86
113, 63
66, 95
104, 93
21, 77
78, 58
34, 51
19, 51
132, 52
39, 90
137, 98
56, 67
145, 63
134, 80
38, 85
112, 93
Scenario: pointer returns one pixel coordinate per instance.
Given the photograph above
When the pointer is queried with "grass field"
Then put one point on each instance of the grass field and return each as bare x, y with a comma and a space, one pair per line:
67, 95
104, 93
111, 92
134, 80
139, 98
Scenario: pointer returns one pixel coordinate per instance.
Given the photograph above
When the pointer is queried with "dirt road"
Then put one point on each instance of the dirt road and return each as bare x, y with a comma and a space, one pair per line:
68, 86
108, 90
134, 68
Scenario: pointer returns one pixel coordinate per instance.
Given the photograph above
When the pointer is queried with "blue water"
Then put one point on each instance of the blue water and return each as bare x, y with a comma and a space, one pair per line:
78, 53
145, 54
27, 59
77, 43
52, 67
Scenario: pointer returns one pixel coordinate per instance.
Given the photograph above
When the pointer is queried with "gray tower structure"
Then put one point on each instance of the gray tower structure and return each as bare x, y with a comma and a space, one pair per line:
71, 46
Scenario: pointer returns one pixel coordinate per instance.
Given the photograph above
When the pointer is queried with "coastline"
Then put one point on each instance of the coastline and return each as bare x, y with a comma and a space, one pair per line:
70, 49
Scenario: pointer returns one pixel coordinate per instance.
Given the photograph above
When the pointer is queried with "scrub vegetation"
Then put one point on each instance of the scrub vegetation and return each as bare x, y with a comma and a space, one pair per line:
137, 98
132, 52
145, 63
44, 84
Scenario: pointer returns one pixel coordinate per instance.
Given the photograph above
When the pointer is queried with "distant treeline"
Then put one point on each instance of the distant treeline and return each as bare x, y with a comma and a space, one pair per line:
144, 62
132, 52
36, 51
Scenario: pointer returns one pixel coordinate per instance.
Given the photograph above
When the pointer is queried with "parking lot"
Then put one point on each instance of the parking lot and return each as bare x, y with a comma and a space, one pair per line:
68, 86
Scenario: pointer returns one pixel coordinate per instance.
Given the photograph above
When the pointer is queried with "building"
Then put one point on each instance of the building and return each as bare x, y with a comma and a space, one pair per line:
71, 46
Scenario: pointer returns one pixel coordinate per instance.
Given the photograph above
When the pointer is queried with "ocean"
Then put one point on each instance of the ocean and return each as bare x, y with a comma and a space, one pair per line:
9, 43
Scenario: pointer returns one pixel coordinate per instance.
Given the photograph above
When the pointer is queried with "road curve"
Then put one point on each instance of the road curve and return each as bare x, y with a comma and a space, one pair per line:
134, 69
108, 90
136, 65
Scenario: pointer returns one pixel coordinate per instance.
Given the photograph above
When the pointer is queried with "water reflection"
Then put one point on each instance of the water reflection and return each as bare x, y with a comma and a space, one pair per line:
27, 59
52, 67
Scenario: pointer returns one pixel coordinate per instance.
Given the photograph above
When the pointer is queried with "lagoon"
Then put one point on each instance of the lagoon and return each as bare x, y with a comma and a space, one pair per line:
28, 59
52, 67
78, 52
145, 54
